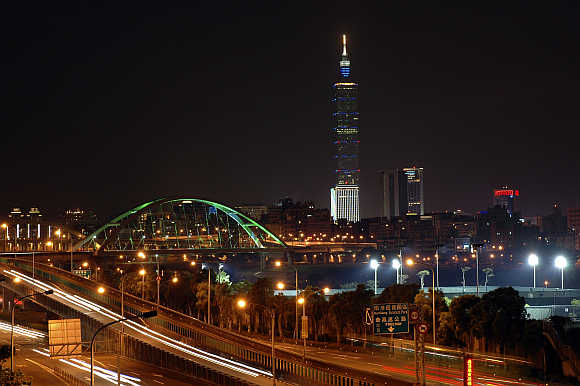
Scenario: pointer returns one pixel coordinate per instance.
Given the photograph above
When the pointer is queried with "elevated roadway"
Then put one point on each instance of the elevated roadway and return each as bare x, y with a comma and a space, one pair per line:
186, 337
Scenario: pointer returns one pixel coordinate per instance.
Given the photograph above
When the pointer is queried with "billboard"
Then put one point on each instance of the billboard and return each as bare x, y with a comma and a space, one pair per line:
64, 337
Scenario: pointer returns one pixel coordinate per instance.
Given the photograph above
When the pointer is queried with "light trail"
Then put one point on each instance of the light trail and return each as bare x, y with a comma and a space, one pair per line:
22, 331
101, 372
143, 330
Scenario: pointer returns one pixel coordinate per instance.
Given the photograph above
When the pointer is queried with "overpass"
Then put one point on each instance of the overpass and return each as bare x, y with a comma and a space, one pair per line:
175, 339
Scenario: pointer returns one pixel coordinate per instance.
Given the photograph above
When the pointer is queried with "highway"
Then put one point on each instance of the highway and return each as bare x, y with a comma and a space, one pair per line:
247, 373
33, 360
402, 366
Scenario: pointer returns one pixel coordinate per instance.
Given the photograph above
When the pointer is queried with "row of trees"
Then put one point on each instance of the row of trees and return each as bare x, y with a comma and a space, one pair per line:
495, 322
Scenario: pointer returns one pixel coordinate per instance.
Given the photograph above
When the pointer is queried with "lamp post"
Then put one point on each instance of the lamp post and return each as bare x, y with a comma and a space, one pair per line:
158, 278
278, 264
533, 261
396, 266
142, 272
71, 251
5, 227
432, 272
148, 314
302, 301
242, 304
121, 336
561, 263
375, 265
20, 299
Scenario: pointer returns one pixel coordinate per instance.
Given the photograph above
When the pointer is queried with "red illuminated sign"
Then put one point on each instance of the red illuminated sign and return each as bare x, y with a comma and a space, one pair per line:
468, 372
506, 192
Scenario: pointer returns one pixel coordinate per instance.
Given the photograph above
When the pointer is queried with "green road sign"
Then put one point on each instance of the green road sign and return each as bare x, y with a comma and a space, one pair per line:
391, 318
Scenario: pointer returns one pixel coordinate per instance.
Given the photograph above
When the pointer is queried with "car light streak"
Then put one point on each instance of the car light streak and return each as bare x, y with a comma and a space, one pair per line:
147, 332
41, 352
194, 351
101, 372
22, 331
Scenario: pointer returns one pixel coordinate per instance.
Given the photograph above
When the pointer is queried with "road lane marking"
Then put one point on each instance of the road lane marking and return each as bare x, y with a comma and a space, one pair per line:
48, 370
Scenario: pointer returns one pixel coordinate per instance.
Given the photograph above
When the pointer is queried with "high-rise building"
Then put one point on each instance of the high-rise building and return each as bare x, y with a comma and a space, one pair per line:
574, 225
402, 192
254, 211
344, 195
505, 197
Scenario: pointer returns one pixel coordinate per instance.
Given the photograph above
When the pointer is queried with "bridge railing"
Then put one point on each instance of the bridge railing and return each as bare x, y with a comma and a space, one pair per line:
193, 331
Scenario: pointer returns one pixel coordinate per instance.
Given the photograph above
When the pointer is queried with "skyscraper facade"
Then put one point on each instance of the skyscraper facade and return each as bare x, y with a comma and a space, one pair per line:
506, 198
402, 192
344, 195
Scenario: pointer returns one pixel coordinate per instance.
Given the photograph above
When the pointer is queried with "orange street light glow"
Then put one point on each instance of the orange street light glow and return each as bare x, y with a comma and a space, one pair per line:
101, 290
242, 303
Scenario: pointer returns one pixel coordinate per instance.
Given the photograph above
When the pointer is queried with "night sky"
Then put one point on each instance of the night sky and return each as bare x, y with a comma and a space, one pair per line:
108, 106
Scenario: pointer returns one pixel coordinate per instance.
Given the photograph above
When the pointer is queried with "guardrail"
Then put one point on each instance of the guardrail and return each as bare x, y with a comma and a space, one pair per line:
193, 331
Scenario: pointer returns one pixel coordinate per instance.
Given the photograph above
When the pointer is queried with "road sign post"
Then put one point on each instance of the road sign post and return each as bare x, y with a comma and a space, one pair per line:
391, 318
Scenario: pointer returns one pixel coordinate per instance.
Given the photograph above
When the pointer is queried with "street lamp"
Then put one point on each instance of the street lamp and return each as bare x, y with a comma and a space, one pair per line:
396, 266
533, 261
375, 265
280, 285
5, 227
19, 300
142, 272
561, 263
296, 303
242, 304
148, 314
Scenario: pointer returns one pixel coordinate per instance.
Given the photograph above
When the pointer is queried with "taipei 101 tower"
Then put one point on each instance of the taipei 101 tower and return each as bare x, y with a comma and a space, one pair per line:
344, 195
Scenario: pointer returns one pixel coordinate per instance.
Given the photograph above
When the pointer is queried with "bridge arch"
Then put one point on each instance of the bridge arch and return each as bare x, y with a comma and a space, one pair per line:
180, 223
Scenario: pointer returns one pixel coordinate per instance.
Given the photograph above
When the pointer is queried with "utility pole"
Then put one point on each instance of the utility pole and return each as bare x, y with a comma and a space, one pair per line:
122, 330
71, 251
208, 295
296, 303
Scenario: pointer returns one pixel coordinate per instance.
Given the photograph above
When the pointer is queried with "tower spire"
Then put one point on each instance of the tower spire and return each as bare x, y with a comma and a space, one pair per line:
344, 45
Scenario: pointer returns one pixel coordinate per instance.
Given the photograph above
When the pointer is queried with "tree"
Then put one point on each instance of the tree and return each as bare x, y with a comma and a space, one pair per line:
398, 293
461, 309
501, 315
425, 303
422, 275
261, 293
338, 304
488, 273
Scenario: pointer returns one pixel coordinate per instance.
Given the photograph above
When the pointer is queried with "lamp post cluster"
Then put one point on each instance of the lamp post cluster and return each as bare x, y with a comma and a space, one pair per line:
560, 262
301, 300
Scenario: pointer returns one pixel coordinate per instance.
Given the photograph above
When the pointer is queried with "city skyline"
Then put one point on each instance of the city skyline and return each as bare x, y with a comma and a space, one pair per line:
159, 105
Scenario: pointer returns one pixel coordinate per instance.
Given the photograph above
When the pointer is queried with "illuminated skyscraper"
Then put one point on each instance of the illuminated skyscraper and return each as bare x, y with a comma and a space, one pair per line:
505, 197
344, 195
402, 192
